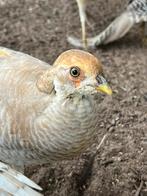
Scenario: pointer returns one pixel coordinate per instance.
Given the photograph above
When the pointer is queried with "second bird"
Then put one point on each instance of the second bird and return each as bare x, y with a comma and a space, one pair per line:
136, 12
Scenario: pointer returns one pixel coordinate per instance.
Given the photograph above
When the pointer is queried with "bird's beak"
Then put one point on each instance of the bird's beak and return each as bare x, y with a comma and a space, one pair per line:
103, 86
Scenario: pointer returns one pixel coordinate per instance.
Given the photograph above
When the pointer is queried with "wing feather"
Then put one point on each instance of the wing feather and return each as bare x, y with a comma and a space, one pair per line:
15, 183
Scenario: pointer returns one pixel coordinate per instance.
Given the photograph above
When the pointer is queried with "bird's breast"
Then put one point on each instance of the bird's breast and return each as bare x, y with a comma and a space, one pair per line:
60, 131
68, 126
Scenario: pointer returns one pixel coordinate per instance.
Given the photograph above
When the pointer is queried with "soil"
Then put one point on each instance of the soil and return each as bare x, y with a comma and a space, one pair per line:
40, 28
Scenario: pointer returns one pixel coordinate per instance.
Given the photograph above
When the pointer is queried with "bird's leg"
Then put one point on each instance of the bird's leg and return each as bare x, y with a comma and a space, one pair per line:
82, 14
89, 15
89, 24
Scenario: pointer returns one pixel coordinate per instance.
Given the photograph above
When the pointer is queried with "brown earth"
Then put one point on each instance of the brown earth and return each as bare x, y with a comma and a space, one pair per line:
40, 27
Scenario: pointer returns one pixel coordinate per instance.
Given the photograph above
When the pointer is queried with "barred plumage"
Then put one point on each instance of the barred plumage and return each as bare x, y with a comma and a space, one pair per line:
139, 6
138, 9
47, 114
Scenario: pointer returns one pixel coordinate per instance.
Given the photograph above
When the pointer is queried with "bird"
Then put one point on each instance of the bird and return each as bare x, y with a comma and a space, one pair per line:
48, 112
135, 12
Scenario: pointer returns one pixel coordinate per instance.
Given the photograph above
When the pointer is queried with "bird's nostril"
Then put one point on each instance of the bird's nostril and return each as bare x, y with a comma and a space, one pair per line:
99, 79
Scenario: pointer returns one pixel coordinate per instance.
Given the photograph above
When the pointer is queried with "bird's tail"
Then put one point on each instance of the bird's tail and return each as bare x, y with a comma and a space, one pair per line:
15, 183
117, 29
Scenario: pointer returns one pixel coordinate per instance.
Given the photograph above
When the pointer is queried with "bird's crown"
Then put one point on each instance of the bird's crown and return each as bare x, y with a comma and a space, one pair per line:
88, 63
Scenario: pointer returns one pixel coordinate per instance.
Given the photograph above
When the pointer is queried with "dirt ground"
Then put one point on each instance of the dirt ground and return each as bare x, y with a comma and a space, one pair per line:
39, 28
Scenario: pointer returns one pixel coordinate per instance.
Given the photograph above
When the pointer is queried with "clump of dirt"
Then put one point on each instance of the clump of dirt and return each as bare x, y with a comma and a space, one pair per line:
40, 28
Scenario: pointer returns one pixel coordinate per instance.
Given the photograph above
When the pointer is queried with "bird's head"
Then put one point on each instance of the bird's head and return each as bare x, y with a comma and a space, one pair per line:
77, 71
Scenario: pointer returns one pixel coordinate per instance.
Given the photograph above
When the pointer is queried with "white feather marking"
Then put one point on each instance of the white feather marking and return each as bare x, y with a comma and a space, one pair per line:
15, 183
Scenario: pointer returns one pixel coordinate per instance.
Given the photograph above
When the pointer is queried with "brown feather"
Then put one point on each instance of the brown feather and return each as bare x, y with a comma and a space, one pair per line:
84, 60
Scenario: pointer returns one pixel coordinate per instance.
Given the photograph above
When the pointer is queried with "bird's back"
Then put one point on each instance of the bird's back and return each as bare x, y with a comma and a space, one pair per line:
36, 126
20, 100
18, 71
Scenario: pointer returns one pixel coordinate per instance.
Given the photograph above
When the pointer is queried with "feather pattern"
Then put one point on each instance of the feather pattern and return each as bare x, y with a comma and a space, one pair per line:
15, 183
138, 9
36, 127
44, 115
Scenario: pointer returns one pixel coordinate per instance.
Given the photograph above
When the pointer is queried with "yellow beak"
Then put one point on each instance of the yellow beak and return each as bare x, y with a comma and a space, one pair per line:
104, 88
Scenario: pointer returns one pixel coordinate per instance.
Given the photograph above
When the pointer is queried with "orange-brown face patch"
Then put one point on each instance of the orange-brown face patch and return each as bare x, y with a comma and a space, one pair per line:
77, 80
88, 63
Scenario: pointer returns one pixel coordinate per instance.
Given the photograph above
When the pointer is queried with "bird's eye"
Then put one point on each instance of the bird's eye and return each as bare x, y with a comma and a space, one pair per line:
75, 71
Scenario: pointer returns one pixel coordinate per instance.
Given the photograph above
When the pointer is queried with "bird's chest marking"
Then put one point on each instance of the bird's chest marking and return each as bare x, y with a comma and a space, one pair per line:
77, 114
